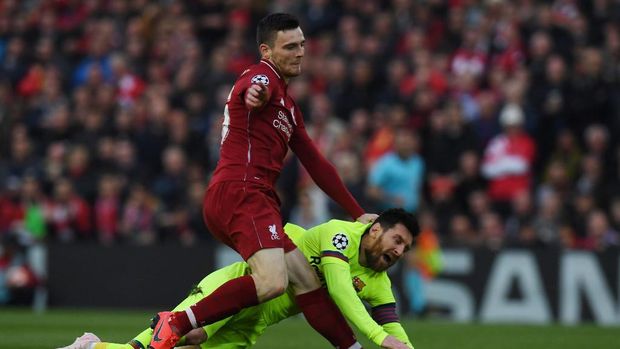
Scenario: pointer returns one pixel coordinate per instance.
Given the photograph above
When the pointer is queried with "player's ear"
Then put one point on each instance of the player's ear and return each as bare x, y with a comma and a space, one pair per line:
375, 230
265, 51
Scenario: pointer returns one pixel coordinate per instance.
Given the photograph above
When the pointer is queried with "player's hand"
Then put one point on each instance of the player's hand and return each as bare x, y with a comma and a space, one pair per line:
256, 96
367, 218
391, 342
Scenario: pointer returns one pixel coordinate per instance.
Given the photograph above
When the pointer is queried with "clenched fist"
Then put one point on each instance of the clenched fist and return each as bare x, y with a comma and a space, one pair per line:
256, 96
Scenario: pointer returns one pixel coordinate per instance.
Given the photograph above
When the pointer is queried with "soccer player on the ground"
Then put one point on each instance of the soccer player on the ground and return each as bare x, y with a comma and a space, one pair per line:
351, 258
241, 207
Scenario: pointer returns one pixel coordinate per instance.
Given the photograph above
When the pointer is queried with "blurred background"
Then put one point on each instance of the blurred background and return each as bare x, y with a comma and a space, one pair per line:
494, 121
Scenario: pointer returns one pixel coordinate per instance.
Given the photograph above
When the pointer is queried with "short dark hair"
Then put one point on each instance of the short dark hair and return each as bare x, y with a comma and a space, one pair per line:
389, 218
271, 24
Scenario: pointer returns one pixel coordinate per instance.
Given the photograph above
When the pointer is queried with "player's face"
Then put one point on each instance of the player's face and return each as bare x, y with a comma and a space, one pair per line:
288, 51
389, 247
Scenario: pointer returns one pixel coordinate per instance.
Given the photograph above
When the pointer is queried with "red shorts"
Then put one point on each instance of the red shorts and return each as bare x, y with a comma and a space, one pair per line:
245, 216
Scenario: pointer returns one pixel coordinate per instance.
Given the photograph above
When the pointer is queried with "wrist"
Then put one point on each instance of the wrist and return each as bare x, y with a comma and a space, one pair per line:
379, 338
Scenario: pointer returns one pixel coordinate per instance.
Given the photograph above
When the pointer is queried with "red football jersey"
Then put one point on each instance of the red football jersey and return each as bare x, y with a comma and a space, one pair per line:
254, 143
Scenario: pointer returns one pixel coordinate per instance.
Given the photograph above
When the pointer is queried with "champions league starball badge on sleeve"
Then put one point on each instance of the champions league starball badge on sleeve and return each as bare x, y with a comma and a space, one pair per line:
260, 79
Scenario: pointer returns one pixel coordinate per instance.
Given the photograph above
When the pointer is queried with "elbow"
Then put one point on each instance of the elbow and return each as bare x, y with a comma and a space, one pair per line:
336, 296
333, 293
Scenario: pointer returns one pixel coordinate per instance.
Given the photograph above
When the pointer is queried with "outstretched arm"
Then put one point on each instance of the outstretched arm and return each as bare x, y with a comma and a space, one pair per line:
323, 173
338, 279
386, 316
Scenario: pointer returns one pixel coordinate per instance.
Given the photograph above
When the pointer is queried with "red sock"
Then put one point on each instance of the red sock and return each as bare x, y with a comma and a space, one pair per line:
325, 317
225, 301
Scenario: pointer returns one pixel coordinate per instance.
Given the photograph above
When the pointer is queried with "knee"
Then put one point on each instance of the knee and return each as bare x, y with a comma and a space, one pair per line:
278, 286
269, 285
195, 337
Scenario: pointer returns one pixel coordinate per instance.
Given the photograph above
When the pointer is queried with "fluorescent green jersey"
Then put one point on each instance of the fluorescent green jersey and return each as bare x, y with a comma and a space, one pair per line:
243, 329
333, 249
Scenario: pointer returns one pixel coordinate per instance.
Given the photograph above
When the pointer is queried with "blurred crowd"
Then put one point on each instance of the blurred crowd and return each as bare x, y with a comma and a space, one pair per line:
493, 120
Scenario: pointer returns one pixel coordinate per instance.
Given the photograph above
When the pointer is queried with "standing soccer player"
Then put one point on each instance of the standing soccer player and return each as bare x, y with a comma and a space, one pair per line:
241, 207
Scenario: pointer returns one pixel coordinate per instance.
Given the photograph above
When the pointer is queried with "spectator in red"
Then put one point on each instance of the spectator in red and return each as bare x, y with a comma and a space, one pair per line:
67, 213
10, 206
600, 235
382, 140
508, 159
17, 280
79, 172
129, 86
509, 55
107, 209
138, 217
470, 58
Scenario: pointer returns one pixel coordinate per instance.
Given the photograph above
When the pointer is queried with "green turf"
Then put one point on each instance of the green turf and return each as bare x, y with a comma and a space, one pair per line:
21, 329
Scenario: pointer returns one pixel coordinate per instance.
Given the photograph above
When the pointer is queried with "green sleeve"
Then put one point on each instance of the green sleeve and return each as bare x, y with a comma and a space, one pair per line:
382, 300
379, 291
336, 239
294, 231
397, 330
338, 279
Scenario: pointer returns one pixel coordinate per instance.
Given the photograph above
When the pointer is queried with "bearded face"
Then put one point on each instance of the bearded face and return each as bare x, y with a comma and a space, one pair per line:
386, 247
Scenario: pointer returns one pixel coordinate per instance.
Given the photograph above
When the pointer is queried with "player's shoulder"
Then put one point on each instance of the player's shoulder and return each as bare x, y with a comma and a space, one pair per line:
342, 234
334, 225
260, 73
344, 224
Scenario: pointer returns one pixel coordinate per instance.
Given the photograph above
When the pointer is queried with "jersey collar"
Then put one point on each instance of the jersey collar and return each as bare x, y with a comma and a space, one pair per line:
273, 67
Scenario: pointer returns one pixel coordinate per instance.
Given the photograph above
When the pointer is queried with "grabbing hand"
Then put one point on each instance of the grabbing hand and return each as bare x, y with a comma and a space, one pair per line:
256, 96
367, 218
391, 342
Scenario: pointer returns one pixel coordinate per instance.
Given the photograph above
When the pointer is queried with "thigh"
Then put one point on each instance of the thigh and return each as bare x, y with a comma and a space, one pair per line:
218, 207
301, 275
246, 217
268, 262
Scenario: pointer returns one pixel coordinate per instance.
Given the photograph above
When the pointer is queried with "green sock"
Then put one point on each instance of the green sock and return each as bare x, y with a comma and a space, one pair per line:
142, 340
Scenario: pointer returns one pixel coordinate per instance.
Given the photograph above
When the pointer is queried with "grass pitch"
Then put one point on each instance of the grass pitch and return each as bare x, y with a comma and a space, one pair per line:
21, 329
